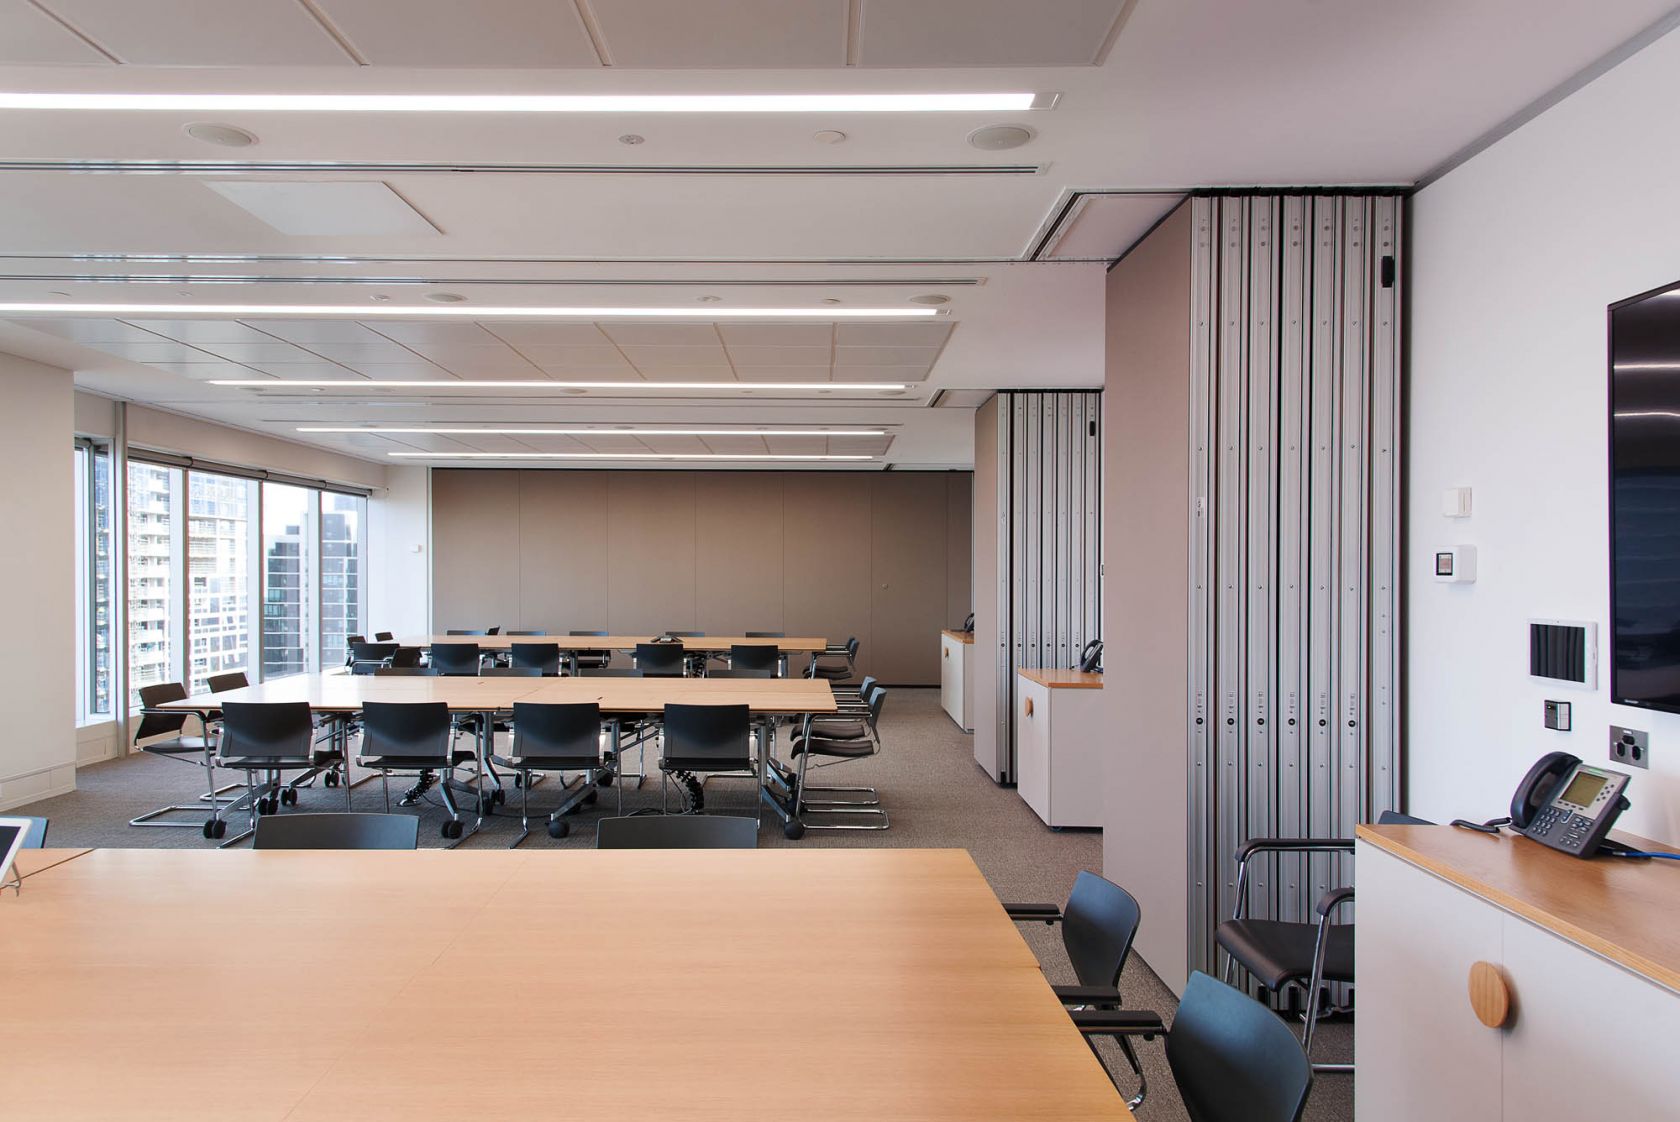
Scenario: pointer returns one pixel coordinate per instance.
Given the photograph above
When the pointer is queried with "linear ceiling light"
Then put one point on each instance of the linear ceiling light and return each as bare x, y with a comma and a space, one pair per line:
545, 384
630, 431
609, 456
531, 103
458, 311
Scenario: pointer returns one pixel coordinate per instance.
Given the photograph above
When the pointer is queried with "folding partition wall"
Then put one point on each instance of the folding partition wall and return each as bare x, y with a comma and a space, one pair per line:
1049, 546
1295, 391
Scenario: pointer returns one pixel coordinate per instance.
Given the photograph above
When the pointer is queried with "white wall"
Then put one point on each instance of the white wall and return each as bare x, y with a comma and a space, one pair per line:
400, 553
1514, 258
37, 566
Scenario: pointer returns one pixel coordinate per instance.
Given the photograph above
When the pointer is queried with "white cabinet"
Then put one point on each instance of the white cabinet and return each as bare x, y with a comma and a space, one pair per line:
1588, 1038
956, 668
1059, 745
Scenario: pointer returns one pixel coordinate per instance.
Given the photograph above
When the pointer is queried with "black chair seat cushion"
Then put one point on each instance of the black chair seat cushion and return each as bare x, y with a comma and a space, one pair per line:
263, 763
552, 763
179, 745
397, 763
1277, 953
840, 728
707, 763
841, 749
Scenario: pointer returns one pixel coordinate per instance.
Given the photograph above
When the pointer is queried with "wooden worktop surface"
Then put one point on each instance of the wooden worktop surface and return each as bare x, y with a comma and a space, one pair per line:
959, 636
852, 985
1625, 910
799, 644
1062, 679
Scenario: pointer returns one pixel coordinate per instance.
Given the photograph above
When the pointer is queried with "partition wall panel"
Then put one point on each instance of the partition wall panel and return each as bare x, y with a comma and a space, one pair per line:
651, 542
559, 532
475, 554
1293, 548
740, 537
907, 602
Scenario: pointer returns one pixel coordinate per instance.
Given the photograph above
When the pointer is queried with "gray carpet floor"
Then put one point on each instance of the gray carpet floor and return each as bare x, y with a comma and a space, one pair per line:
936, 796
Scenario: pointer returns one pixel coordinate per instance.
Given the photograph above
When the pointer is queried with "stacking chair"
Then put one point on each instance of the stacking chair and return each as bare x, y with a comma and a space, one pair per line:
266, 740
661, 660
405, 672
757, 656
379, 654
516, 631
337, 831
411, 738
383, 637
406, 656
196, 750
349, 642
232, 680
590, 660
835, 745
544, 658
465, 631
1098, 926
705, 740
455, 658
694, 662
555, 738
677, 831
609, 672
730, 673
1232, 1059
781, 658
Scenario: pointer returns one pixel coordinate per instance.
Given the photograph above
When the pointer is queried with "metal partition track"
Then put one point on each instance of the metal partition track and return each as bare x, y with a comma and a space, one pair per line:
1295, 359
1050, 600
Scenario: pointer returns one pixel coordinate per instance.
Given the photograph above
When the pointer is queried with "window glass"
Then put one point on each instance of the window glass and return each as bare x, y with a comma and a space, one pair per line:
221, 573
288, 579
155, 532
343, 563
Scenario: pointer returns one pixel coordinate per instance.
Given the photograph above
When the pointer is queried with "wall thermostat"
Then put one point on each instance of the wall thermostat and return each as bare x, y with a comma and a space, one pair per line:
1455, 564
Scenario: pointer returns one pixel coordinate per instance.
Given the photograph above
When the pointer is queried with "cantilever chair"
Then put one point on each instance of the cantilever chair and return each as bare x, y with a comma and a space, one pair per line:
197, 750
411, 738
590, 660
661, 660
836, 744
378, 654
383, 637
232, 680
556, 738
677, 831
755, 656
455, 658
337, 831
541, 657
266, 739
705, 740
1232, 1059
694, 662
1098, 926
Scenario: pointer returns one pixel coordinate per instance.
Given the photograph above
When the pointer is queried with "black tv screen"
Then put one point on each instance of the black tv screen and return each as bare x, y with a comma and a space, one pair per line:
1645, 500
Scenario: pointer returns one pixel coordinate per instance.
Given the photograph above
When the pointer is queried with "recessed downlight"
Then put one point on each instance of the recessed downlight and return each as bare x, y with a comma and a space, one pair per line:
999, 138
711, 299
931, 299
226, 136
445, 297
632, 139
829, 136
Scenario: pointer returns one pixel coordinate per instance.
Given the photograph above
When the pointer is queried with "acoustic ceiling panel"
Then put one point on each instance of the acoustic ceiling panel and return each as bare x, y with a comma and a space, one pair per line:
923, 33
203, 32
30, 37
448, 33
892, 334
723, 33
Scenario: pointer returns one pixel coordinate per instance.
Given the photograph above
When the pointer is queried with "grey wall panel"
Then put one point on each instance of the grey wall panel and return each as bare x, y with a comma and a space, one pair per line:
959, 556
991, 546
826, 579
740, 530
907, 594
472, 515
562, 559
651, 552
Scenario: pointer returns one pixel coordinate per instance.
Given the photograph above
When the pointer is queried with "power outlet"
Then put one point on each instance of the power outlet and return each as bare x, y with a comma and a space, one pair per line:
1630, 747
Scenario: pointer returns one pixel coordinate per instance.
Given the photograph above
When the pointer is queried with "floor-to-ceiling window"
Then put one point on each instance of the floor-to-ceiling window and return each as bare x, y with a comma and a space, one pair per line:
95, 653
156, 617
343, 572
221, 575
289, 579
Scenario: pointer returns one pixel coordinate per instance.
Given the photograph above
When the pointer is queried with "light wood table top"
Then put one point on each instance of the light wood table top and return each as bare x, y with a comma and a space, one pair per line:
1625, 911
336, 692
959, 636
849, 985
791, 645
1059, 678
29, 862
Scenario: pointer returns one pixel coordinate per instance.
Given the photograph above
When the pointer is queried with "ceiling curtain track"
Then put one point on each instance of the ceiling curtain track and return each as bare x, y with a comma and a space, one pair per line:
239, 471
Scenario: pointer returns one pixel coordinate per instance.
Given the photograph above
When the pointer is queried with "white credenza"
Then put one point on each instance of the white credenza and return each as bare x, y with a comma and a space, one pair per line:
1585, 953
1058, 745
956, 670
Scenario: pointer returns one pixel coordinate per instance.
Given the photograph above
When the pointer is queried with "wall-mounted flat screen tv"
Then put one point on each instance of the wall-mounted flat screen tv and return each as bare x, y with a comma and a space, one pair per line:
1645, 500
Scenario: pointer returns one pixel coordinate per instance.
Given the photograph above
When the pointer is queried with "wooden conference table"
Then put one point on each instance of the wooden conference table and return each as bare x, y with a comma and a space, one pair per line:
838, 984
718, 643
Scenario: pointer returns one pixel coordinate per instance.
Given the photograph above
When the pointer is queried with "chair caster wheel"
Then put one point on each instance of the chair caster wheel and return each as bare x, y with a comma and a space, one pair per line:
499, 796
605, 780
559, 829
331, 779
215, 828
518, 780
269, 805
590, 798
452, 830
288, 797
485, 804
794, 830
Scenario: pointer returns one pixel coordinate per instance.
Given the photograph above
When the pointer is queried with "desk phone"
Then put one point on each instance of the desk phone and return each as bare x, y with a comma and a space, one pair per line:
1581, 803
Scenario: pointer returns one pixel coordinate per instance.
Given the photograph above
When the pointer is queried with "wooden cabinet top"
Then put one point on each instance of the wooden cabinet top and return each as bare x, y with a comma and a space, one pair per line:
1624, 910
959, 636
1058, 679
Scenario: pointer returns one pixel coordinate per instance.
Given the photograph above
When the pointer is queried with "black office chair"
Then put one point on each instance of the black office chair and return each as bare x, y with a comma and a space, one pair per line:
516, 631
609, 672
413, 738
383, 637
232, 680
198, 751
764, 634
1232, 1059
544, 658
677, 831
404, 672
407, 656
556, 738
266, 740
661, 660
1098, 926
455, 658
836, 663
349, 641
694, 662
338, 831
765, 656
379, 654
590, 660
729, 673
831, 744
465, 631
703, 740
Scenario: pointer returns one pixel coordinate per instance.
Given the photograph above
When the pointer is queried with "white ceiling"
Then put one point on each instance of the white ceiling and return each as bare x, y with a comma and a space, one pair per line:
1156, 97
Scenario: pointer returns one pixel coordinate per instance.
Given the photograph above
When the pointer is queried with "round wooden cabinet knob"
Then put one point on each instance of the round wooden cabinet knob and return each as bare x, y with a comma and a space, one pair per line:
1028, 706
1490, 995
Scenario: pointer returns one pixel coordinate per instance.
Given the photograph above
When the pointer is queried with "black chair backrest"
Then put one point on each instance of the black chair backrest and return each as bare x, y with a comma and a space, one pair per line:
406, 656
608, 672
764, 634
510, 672
571, 731
273, 730
383, 636
1098, 926
455, 658
719, 734
515, 631
733, 672
758, 656
463, 631
232, 680
372, 652
337, 831
660, 659
156, 724
1395, 818
367, 669
686, 634
544, 658
403, 672
416, 728
586, 632
677, 831
34, 834
1233, 1059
